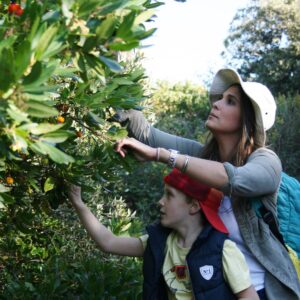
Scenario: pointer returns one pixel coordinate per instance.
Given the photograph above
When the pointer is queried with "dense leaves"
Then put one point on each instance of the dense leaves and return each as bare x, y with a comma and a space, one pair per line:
62, 77
264, 44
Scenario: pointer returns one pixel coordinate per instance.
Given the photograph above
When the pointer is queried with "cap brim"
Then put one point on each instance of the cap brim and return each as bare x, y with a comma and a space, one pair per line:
210, 209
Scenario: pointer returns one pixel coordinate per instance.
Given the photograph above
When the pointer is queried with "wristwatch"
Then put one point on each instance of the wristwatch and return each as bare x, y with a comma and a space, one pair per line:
172, 158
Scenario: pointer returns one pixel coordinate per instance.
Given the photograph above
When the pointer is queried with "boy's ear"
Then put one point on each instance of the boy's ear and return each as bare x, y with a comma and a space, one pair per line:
195, 207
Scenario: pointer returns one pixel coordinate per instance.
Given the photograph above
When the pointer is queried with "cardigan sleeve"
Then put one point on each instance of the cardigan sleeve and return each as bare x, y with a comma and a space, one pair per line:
259, 176
139, 128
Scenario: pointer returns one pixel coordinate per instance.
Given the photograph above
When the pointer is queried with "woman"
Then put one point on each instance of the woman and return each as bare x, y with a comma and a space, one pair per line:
236, 162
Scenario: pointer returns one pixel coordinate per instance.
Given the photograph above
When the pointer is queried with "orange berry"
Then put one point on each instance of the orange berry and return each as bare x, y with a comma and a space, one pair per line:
9, 180
63, 107
19, 12
79, 134
13, 8
60, 119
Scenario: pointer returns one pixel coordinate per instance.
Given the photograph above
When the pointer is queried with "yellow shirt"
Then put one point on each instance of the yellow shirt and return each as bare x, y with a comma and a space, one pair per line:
236, 272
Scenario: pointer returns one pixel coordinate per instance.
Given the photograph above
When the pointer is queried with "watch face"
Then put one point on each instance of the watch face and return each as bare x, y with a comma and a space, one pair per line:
172, 158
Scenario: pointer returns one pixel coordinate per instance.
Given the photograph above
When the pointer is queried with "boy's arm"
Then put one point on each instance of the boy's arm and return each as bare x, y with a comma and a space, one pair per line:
248, 294
103, 237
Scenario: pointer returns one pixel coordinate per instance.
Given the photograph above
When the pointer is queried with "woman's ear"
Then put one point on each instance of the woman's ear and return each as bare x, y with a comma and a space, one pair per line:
195, 207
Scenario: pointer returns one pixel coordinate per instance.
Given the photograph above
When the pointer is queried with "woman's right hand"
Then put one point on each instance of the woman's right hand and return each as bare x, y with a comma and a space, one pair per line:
141, 151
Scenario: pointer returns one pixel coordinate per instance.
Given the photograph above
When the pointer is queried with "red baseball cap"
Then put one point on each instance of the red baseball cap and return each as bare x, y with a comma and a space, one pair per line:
209, 198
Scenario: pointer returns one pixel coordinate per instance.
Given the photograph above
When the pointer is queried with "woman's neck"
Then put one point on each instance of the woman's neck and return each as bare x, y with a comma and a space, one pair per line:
227, 145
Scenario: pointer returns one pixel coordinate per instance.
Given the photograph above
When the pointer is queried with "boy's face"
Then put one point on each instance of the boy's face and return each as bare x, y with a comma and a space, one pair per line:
174, 207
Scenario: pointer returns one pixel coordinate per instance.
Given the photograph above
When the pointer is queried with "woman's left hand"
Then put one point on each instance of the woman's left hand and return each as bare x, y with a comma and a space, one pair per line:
141, 151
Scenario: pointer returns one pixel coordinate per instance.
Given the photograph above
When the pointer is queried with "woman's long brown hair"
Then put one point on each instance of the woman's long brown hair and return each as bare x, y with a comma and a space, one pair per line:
246, 144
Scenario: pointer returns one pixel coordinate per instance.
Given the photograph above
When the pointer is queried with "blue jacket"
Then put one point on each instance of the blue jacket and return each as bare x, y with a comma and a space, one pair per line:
206, 251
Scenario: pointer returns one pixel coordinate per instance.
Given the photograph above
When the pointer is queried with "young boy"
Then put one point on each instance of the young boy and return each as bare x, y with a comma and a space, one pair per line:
187, 255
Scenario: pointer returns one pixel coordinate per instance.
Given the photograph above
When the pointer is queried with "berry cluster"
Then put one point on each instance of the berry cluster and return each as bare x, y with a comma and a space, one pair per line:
15, 9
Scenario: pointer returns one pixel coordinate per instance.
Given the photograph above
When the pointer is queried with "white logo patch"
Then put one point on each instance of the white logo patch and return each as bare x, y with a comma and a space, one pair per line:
206, 272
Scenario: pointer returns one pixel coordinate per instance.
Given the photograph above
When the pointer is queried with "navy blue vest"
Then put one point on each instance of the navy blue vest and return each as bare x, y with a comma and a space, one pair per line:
206, 251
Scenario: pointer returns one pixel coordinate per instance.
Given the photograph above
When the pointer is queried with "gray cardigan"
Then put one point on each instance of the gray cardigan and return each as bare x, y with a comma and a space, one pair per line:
260, 176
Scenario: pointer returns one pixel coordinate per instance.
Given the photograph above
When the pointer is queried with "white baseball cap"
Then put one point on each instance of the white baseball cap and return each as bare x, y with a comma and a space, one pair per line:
261, 98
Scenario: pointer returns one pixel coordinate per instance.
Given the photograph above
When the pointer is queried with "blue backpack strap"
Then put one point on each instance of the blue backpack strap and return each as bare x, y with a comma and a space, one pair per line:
268, 217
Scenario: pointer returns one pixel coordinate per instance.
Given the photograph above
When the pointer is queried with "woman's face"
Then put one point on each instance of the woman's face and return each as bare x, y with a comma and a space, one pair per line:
225, 116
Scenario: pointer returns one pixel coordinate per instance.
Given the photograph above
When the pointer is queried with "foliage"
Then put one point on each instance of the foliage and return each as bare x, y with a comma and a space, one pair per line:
62, 77
284, 136
181, 108
60, 82
264, 44
70, 266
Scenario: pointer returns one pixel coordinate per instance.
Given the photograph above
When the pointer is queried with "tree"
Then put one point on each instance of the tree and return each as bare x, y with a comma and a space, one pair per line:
60, 82
264, 44
284, 136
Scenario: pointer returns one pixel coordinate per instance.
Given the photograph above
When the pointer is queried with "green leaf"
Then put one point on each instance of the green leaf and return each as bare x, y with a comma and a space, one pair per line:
65, 71
19, 142
38, 97
125, 27
55, 154
117, 133
94, 63
52, 15
57, 136
45, 128
41, 110
40, 73
90, 43
123, 81
22, 58
93, 120
49, 184
35, 73
54, 48
44, 41
34, 28
16, 114
105, 30
4, 189
141, 34
111, 64
144, 16
87, 7
6, 199
109, 8
7, 42
7, 66
124, 46
154, 5
39, 90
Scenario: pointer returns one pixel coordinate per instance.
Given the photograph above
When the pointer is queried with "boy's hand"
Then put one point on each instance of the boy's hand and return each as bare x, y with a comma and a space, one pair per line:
74, 193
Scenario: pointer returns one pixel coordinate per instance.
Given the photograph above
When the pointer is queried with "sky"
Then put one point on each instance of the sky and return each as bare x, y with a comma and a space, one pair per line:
189, 39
